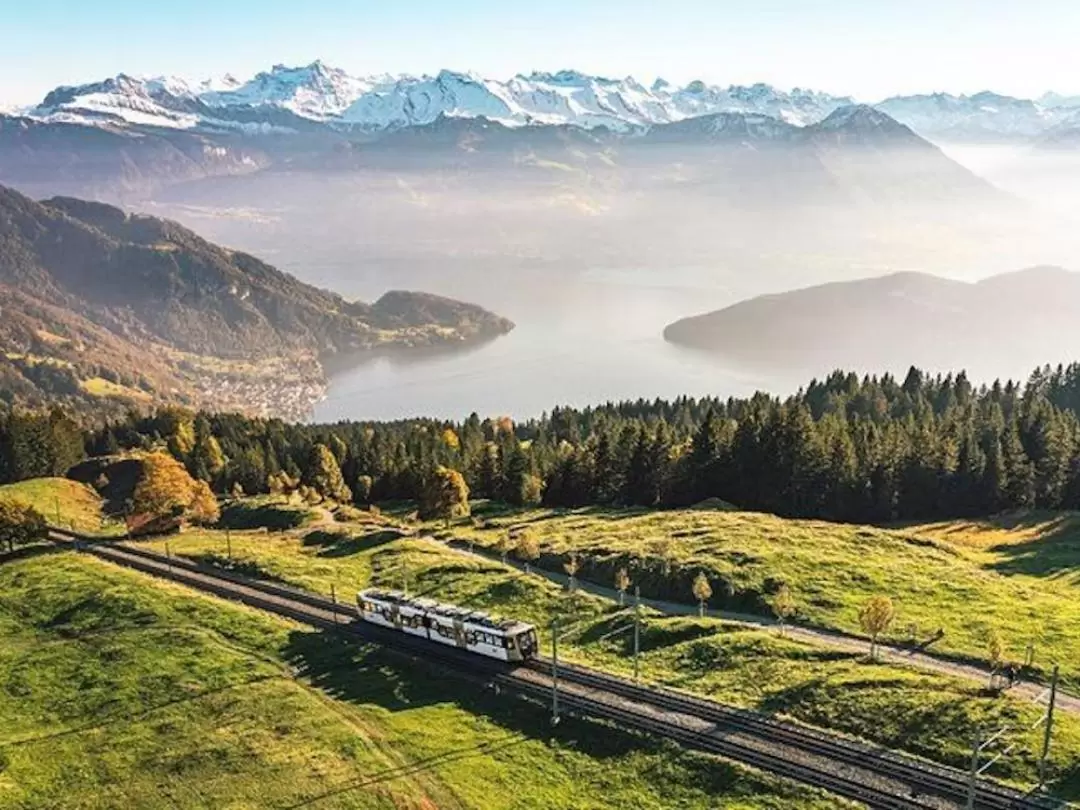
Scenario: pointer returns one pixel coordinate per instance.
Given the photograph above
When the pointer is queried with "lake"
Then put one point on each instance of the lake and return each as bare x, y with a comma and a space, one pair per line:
580, 340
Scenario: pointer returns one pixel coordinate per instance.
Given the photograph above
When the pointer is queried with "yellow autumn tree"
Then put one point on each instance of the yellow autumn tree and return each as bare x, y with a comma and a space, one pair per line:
165, 488
702, 591
783, 606
622, 583
450, 439
528, 550
504, 545
445, 495
204, 507
875, 617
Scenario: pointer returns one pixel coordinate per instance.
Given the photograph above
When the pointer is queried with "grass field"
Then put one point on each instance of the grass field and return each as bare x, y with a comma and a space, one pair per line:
1016, 577
120, 691
65, 502
931, 715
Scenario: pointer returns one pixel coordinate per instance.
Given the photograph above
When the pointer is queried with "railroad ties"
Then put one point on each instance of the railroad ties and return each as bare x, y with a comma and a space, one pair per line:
876, 777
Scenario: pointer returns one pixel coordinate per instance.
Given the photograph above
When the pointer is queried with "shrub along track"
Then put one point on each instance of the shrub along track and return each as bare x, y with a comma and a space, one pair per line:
877, 778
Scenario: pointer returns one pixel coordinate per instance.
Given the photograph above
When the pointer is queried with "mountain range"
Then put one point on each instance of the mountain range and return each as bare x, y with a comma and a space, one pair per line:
100, 306
320, 169
1000, 327
295, 99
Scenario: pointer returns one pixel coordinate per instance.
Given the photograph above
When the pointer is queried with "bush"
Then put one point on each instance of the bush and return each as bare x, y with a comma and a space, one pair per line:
20, 525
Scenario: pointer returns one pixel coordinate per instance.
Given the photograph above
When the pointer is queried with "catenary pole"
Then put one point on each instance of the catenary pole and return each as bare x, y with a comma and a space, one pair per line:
1045, 756
637, 631
555, 671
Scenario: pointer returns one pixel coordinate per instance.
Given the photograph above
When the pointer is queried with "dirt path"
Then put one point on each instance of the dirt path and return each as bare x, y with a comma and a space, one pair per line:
835, 639
324, 521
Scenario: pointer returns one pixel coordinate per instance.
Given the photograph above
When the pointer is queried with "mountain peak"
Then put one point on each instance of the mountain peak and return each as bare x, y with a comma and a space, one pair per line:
859, 117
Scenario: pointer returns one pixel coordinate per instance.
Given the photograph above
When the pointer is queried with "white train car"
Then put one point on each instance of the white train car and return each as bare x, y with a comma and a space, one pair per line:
453, 626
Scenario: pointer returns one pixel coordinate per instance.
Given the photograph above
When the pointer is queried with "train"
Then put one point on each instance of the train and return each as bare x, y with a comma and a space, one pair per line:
464, 628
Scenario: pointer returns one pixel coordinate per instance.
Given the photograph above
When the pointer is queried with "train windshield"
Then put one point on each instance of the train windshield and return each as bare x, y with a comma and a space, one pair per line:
527, 642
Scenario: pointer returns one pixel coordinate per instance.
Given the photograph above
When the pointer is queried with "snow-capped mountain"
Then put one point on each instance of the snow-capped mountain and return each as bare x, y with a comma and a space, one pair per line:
320, 96
320, 93
570, 97
980, 116
316, 91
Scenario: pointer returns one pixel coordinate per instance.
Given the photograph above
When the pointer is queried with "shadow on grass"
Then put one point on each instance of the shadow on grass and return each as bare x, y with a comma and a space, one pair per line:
1055, 551
247, 568
28, 552
335, 544
369, 675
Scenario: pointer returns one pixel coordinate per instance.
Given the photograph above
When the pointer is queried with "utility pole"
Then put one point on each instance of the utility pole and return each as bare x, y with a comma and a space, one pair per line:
404, 576
228, 542
168, 556
555, 671
1044, 757
637, 631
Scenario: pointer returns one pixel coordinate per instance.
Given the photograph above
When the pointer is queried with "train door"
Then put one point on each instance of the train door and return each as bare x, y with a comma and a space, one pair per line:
459, 633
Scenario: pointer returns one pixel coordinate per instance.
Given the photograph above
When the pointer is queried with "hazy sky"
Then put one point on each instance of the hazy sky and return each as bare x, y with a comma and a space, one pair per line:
866, 48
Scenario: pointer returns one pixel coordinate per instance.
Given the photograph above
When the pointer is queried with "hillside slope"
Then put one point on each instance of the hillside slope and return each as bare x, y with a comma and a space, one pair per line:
999, 327
163, 698
92, 293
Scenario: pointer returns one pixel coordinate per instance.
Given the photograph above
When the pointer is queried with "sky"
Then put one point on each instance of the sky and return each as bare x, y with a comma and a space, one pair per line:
869, 49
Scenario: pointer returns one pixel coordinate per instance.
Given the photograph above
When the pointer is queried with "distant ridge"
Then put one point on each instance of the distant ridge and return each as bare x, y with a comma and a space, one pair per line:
1001, 326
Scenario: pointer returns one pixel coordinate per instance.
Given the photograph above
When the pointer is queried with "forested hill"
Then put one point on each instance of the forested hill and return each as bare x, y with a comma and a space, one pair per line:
129, 299
1001, 326
871, 449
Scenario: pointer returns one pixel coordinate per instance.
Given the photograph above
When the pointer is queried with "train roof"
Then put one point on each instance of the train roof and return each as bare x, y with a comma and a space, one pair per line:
465, 614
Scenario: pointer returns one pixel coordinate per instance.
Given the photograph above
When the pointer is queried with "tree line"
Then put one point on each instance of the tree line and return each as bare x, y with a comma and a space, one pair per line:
849, 448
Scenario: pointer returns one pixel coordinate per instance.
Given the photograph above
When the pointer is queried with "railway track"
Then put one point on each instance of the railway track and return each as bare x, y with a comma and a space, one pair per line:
918, 775
877, 778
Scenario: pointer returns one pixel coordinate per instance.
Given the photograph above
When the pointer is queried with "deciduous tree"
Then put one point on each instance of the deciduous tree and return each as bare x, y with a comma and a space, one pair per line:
527, 550
702, 591
622, 583
504, 545
445, 495
876, 615
783, 606
204, 506
571, 567
165, 488
20, 524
